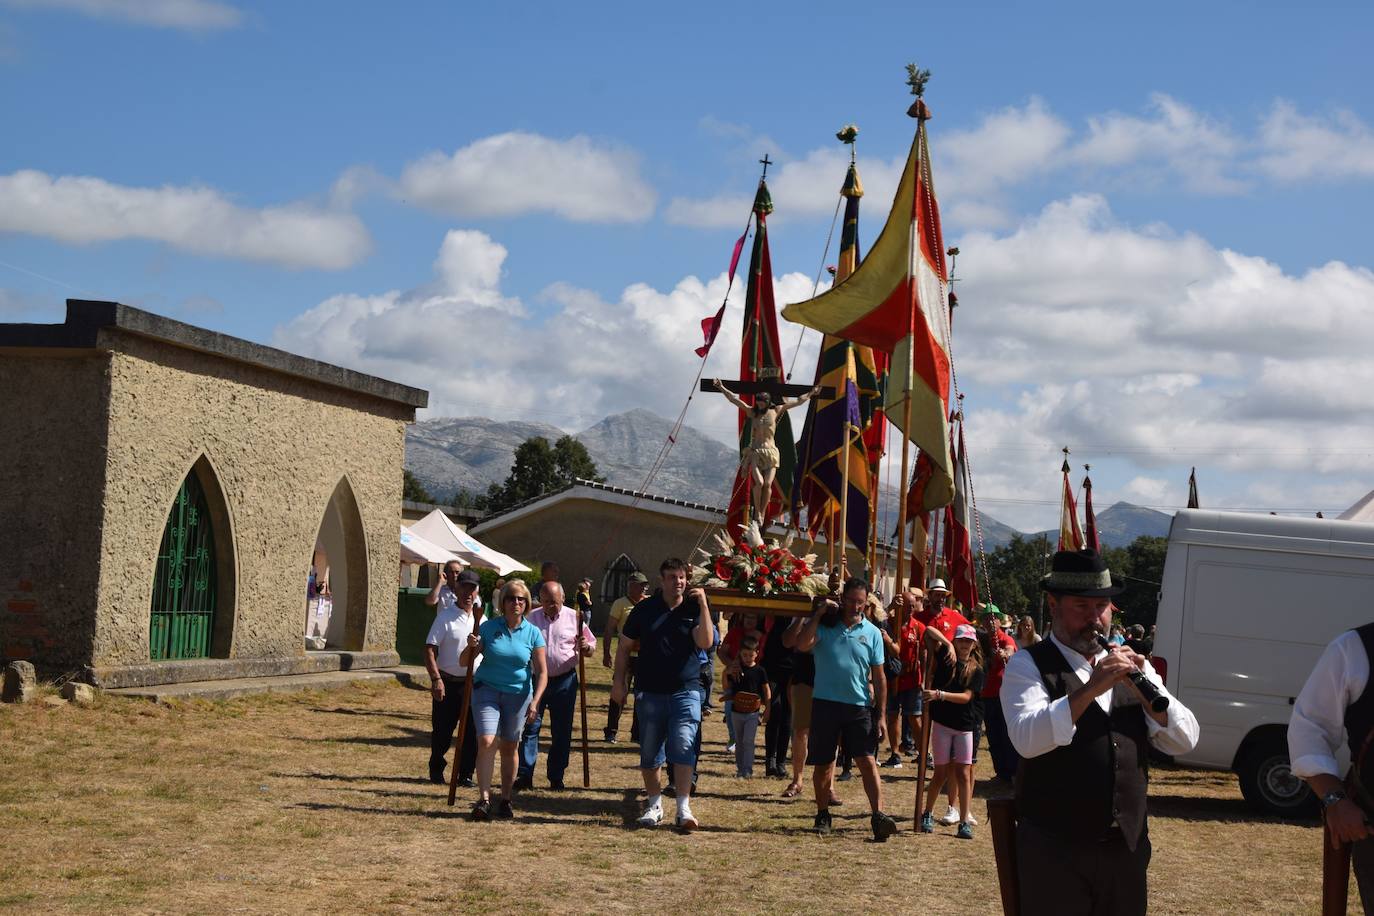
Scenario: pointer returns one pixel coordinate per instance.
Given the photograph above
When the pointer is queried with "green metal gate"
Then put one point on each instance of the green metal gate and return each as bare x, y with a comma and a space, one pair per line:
184, 584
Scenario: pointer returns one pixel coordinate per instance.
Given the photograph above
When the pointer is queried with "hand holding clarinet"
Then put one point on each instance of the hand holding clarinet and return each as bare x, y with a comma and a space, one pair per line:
1156, 701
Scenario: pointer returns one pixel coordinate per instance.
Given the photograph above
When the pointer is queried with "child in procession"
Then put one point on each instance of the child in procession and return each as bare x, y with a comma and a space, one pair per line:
955, 711
746, 684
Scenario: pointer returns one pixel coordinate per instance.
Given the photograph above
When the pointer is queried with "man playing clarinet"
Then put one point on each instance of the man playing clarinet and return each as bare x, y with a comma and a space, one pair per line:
1076, 717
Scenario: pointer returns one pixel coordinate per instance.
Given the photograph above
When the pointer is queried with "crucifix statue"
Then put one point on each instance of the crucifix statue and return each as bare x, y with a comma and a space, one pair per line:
761, 457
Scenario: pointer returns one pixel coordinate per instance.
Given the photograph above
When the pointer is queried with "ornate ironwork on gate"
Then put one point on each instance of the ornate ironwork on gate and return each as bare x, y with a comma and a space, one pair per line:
184, 584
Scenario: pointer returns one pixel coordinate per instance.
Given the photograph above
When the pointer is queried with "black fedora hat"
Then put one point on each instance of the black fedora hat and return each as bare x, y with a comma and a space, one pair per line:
1080, 572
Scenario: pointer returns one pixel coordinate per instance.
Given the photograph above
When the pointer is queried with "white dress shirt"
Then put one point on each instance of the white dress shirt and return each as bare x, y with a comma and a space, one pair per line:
1037, 726
1317, 728
449, 634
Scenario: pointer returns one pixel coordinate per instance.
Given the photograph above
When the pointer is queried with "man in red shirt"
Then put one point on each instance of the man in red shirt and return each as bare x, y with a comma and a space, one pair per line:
904, 692
997, 649
935, 614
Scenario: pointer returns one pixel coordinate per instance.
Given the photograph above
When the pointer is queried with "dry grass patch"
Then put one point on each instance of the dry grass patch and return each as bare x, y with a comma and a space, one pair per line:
318, 801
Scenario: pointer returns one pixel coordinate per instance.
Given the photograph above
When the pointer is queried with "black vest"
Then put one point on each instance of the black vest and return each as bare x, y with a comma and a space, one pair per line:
1359, 715
1077, 791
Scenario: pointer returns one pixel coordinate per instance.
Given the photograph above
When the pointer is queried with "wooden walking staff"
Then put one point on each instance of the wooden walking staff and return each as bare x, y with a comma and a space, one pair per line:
927, 663
1002, 818
458, 738
582, 691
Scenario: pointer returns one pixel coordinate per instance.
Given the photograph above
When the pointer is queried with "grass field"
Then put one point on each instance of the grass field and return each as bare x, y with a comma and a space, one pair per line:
318, 801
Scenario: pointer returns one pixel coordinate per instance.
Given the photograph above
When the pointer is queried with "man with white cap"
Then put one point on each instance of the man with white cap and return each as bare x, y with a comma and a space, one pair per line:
455, 596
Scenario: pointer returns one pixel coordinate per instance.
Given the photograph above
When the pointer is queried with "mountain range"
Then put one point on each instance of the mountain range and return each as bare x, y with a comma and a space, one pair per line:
470, 453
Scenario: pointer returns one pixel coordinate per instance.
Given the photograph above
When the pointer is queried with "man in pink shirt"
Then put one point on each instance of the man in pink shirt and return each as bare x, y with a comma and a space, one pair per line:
560, 626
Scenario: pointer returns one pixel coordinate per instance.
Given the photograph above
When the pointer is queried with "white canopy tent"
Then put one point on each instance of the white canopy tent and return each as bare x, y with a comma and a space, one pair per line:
1362, 511
417, 549
439, 529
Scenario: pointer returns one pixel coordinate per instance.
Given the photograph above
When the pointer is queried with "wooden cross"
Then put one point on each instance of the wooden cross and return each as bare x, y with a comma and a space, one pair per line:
777, 390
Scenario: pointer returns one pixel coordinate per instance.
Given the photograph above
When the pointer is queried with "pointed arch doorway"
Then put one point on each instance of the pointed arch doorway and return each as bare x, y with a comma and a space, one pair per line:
336, 592
616, 580
192, 614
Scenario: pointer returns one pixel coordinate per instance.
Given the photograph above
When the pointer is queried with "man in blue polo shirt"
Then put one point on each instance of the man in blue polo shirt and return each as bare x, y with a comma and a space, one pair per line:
848, 653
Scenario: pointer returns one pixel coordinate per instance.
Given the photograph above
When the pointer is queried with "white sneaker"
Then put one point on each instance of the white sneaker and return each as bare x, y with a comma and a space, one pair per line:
729, 748
951, 816
652, 816
686, 821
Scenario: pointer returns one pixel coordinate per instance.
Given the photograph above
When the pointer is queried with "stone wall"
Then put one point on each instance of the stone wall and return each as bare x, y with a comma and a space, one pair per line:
52, 478
278, 446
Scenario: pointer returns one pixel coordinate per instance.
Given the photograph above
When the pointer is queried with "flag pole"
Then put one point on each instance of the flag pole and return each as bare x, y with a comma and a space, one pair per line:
843, 525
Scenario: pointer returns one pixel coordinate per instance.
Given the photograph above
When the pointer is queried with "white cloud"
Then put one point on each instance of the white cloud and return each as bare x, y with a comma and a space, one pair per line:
1298, 147
1158, 352
1175, 142
83, 209
725, 211
187, 15
1005, 148
516, 173
1170, 144
479, 351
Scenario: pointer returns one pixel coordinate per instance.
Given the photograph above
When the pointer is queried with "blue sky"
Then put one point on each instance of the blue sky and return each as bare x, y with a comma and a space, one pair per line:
526, 209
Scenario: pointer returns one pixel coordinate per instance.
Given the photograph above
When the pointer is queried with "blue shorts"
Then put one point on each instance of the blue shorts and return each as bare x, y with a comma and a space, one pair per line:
495, 712
907, 702
668, 727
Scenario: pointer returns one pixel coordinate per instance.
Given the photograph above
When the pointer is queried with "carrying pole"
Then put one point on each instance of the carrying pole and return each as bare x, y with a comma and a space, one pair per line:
582, 691
928, 662
458, 738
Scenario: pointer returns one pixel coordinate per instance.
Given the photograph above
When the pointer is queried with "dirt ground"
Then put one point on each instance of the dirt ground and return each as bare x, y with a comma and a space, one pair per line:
319, 801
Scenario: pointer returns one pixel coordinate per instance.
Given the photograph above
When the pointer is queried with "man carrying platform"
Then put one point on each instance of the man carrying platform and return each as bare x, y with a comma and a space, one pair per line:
848, 652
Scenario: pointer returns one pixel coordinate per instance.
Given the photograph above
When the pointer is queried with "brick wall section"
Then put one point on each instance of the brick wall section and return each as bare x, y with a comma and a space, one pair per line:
52, 480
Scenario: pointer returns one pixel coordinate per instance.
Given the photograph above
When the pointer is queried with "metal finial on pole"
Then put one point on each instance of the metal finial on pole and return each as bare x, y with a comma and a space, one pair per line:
766, 163
1066, 460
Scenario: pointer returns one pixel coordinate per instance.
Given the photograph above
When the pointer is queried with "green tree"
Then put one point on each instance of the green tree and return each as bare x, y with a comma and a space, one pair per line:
412, 489
1145, 560
1014, 571
540, 468
572, 461
465, 499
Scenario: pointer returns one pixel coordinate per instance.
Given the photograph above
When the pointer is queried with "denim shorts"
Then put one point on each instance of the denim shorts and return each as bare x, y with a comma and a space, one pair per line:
495, 712
668, 727
907, 702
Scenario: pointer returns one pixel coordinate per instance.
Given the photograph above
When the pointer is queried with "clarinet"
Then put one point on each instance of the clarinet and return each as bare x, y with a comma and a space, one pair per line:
1156, 700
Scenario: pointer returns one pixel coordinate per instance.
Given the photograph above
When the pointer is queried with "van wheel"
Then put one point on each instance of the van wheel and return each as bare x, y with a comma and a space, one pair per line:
1268, 783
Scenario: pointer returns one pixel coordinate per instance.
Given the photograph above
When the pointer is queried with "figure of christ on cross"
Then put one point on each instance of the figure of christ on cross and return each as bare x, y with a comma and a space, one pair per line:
761, 458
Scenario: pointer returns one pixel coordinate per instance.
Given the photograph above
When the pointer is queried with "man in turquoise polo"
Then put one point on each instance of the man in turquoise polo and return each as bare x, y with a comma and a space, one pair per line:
848, 654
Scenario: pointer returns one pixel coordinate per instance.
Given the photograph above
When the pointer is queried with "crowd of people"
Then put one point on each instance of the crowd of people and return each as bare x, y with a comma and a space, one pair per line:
829, 690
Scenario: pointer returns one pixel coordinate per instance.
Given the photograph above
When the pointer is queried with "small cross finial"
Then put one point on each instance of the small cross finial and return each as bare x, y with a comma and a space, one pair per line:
1087, 469
766, 163
1066, 452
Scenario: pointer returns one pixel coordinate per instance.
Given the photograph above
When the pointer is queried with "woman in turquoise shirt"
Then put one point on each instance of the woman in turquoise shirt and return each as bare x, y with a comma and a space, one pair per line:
505, 693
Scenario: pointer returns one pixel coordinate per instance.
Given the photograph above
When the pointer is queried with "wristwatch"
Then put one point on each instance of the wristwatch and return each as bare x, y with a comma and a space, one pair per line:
1330, 798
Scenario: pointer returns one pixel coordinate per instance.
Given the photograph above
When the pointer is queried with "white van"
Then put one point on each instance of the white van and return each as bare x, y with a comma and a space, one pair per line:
1247, 605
